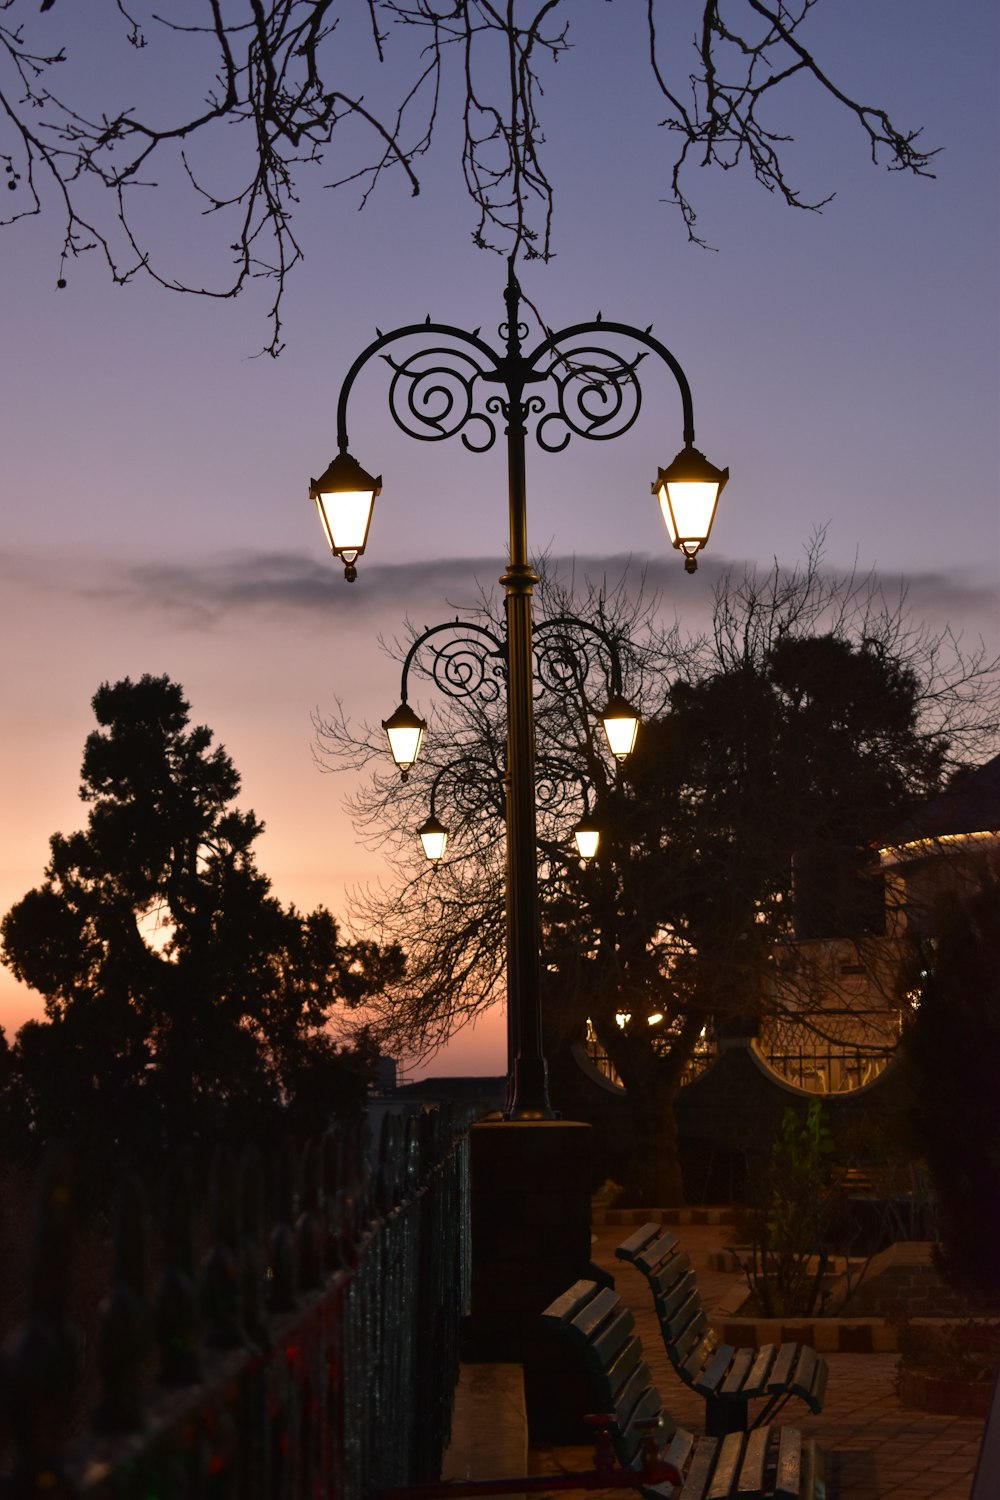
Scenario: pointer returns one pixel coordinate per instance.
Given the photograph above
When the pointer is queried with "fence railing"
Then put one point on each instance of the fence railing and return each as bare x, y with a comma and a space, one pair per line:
301, 1339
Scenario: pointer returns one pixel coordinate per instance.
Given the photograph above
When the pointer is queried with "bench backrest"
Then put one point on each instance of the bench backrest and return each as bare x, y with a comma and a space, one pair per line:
689, 1337
595, 1321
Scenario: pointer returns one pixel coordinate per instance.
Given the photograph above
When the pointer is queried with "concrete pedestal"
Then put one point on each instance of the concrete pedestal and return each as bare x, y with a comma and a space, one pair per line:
531, 1187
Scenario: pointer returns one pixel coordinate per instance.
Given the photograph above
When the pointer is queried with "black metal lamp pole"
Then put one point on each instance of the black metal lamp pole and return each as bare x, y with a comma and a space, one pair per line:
597, 395
469, 660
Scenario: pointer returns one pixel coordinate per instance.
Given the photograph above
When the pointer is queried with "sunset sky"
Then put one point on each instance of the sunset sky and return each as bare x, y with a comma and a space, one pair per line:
155, 474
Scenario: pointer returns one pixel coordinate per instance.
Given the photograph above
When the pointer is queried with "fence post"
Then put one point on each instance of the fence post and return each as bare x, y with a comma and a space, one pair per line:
124, 1333
42, 1362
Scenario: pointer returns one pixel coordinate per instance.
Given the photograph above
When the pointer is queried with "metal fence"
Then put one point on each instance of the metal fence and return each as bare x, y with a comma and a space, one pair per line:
310, 1348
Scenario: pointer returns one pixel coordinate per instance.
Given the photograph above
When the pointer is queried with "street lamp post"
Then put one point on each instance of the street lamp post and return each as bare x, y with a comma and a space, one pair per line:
469, 659
567, 385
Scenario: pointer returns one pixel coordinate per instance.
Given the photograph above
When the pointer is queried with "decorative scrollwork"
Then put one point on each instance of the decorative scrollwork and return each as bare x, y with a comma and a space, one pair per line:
473, 788
432, 396
563, 661
466, 664
559, 788
520, 331
574, 656
597, 394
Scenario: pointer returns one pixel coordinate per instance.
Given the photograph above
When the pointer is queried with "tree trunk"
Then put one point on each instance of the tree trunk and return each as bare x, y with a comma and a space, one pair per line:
651, 1077
654, 1178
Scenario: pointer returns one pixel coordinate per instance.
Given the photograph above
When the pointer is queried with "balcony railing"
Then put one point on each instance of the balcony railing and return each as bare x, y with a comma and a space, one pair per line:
312, 1350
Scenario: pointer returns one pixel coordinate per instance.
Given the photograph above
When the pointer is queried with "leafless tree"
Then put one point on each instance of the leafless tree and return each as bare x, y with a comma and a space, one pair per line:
302, 83
803, 723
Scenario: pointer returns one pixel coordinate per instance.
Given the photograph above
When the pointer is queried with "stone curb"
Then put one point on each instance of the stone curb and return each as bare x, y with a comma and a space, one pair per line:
825, 1335
610, 1218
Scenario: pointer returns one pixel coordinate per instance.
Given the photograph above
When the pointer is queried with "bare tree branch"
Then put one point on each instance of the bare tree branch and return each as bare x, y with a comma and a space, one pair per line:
282, 73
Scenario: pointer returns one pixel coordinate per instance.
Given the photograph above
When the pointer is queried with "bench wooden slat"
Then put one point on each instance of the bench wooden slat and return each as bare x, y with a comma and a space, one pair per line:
667, 1303
613, 1336
714, 1373
687, 1324
673, 1278
679, 1449
738, 1372
804, 1373
726, 1467
692, 1367
751, 1478
596, 1312
781, 1371
756, 1381
694, 1331
659, 1248
637, 1241
698, 1475
572, 1301
818, 1392
661, 1265
633, 1435
788, 1474
623, 1363
811, 1484
651, 1248
626, 1398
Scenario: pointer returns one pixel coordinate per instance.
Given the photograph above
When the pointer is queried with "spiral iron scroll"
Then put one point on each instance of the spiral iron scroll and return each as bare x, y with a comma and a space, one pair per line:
432, 396
466, 666
559, 787
597, 394
565, 661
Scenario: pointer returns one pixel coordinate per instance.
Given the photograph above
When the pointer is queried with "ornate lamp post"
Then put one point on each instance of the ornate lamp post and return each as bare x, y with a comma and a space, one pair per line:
566, 385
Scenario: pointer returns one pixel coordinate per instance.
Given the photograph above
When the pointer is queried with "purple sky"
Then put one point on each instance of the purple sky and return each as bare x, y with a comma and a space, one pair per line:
844, 365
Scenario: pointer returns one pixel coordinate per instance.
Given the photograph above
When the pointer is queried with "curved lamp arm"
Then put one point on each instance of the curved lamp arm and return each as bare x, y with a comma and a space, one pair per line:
452, 685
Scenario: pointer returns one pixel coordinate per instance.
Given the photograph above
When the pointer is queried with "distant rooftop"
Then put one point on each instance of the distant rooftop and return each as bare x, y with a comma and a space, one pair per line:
971, 804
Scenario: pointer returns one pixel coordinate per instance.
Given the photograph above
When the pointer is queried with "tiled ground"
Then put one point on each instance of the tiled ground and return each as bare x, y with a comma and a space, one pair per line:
876, 1448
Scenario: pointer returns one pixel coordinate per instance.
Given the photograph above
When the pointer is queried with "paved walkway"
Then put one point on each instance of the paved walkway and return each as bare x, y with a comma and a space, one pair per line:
876, 1448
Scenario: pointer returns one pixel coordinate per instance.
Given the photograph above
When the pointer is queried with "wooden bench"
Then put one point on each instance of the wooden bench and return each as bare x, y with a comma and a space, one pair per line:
765, 1464
727, 1377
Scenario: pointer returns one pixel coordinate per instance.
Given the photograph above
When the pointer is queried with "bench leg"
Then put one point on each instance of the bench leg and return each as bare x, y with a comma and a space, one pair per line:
724, 1414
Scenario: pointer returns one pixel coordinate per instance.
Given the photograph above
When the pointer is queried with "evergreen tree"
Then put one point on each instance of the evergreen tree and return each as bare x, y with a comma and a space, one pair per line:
182, 998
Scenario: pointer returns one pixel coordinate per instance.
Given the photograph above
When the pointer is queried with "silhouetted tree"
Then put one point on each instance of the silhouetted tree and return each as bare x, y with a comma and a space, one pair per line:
182, 999
304, 86
952, 1047
807, 721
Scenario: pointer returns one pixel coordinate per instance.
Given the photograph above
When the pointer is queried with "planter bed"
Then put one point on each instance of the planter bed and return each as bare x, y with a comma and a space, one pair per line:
948, 1398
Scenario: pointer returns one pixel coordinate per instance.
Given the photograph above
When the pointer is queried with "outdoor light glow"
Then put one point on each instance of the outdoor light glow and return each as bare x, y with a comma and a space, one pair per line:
895, 854
344, 498
434, 837
588, 836
655, 1018
621, 725
622, 1018
405, 732
688, 491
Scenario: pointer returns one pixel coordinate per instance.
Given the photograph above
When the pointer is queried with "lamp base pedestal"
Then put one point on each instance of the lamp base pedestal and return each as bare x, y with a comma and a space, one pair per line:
531, 1187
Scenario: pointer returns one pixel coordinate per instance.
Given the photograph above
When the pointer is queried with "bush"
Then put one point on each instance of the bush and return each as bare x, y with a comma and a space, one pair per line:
788, 1223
